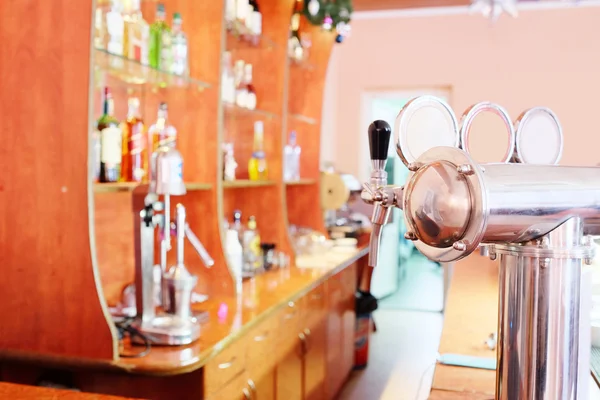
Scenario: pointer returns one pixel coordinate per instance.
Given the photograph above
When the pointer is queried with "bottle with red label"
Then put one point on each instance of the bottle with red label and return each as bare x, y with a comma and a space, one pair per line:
134, 155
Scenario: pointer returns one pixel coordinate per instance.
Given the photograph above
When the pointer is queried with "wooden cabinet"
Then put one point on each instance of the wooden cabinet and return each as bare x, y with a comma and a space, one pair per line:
341, 321
315, 371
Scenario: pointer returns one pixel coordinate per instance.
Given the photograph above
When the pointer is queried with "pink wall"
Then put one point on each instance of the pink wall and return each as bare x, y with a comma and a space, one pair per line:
543, 57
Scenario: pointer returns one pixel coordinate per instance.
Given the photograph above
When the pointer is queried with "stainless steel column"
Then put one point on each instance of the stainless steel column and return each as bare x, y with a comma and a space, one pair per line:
538, 322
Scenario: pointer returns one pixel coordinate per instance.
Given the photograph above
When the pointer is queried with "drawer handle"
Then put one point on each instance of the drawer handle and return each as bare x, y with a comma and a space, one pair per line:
247, 394
261, 338
306, 332
291, 304
226, 364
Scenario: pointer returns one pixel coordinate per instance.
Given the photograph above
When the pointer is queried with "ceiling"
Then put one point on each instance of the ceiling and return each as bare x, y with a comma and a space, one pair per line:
373, 5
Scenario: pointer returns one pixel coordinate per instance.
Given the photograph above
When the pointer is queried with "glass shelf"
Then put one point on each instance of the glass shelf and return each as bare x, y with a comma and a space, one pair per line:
129, 186
236, 39
303, 64
246, 183
301, 182
134, 72
303, 118
232, 110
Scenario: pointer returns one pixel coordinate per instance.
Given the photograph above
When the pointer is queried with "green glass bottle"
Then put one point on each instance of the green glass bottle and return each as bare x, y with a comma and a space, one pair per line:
159, 30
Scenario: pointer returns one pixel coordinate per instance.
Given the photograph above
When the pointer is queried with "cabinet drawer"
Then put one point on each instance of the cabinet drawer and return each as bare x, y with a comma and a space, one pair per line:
260, 342
225, 367
236, 389
289, 328
314, 304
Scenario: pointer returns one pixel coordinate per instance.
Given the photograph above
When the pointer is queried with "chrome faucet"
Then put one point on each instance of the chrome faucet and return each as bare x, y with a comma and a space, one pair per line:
376, 191
173, 325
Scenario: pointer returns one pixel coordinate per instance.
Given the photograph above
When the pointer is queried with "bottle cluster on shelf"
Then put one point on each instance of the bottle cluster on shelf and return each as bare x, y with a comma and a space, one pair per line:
257, 164
291, 159
123, 31
122, 150
243, 18
299, 43
246, 253
236, 83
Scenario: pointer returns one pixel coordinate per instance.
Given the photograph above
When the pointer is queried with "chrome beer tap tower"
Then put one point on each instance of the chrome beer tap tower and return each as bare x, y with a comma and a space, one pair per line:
532, 215
165, 319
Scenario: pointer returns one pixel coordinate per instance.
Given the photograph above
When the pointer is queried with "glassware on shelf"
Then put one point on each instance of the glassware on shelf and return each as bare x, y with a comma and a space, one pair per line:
134, 161
109, 132
115, 27
160, 41
161, 133
229, 163
253, 23
257, 165
180, 60
241, 12
136, 34
253, 260
228, 84
250, 100
291, 160
230, 14
240, 88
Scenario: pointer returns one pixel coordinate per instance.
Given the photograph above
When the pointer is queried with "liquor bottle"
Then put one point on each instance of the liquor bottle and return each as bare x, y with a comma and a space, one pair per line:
180, 63
99, 28
110, 141
291, 159
134, 161
241, 13
159, 33
230, 14
295, 50
250, 102
240, 88
257, 165
114, 29
251, 244
229, 163
253, 22
161, 133
237, 224
227, 80
136, 34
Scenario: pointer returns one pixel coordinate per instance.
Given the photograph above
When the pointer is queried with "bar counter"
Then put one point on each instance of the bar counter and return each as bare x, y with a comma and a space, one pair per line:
470, 317
288, 322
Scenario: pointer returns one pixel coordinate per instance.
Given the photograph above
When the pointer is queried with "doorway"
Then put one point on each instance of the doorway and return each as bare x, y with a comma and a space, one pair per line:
404, 278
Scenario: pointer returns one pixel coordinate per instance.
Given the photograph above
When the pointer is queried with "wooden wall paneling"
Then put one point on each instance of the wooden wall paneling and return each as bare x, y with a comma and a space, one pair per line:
50, 299
306, 83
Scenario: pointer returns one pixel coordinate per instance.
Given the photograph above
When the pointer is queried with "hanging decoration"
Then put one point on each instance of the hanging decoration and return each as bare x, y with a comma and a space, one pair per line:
492, 9
331, 15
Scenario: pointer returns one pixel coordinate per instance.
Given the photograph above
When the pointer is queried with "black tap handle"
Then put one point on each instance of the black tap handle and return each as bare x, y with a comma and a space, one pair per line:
379, 139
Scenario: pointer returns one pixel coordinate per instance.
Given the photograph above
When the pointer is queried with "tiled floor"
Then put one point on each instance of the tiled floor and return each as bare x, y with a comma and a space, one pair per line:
401, 359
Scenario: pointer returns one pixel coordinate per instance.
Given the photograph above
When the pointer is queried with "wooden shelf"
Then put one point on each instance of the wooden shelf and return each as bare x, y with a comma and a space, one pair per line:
246, 183
301, 182
129, 186
304, 118
136, 73
233, 111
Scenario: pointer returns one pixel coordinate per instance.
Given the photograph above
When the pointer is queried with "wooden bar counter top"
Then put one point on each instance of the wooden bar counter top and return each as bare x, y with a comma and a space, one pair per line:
470, 317
293, 323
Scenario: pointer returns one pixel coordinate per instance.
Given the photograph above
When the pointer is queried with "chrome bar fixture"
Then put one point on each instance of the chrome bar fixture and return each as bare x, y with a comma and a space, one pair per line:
535, 218
170, 321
